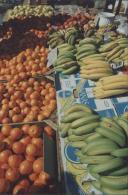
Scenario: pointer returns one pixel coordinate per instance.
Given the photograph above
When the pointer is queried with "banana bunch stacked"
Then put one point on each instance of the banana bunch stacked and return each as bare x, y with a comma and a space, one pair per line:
72, 35
78, 122
115, 51
94, 68
86, 47
56, 38
111, 86
66, 62
106, 154
102, 144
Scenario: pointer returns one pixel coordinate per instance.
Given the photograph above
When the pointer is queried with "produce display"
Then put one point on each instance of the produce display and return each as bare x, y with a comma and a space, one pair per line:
102, 144
22, 159
23, 11
110, 86
94, 142
79, 19
26, 100
115, 50
56, 38
66, 62
93, 68
31, 62
70, 36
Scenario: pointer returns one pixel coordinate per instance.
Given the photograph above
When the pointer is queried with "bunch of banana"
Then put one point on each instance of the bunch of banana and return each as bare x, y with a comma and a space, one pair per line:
105, 152
111, 86
115, 51
72, 35
86, 48
78, 122
102, 145
94, 68
56, 38
66, 62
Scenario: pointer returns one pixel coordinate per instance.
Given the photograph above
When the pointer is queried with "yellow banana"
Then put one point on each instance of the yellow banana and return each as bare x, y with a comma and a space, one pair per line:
114, 78
95, 62
95, 76
93, 71
113, 52
96, 65
118, 54
118, 85
109, 93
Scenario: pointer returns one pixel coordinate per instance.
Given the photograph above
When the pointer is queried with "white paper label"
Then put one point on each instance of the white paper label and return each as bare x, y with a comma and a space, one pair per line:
52, 56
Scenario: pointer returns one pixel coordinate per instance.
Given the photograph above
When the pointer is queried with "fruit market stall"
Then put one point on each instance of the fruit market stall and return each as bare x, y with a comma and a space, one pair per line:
64, 101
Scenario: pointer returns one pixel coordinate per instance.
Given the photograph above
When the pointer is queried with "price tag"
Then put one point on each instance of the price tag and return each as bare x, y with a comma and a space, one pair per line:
107, 37
52, 56
117, 66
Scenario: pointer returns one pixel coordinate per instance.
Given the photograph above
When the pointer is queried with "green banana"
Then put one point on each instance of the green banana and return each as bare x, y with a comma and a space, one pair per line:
111, 191
70, 131
124, 45
73, 116
116, 55
115, 182
67, 65
66, 49
108, 47
111, 122
71, 70
124, 124
78, 144
85, 129
83, 55
63, 61
94, 56
113, 52
122, 40
123, 152
79, 153
75, 138
120, 172
53, 44
64, 131
85, 120
78, 107
111, 127
85, 48
96, 184
66, 55
59, 70
70, 64
111, 135
87, 41
63, 46
93, 137
93, 160
108, 166
71, 40
95, 175
102, 147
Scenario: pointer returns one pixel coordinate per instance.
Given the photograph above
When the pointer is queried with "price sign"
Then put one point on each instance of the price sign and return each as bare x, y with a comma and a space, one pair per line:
52, 56
117, 66
107, 37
